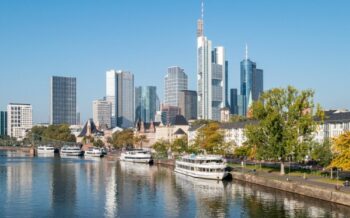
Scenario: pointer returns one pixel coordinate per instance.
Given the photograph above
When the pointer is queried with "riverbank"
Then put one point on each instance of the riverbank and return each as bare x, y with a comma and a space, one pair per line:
305, 188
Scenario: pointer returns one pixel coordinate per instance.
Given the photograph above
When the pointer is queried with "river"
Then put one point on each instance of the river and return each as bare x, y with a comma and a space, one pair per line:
78, 187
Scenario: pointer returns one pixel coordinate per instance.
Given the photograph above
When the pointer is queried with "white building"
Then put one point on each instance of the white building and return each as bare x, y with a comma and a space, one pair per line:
120, 92
211, 77
19, 119
175, 81
102, 113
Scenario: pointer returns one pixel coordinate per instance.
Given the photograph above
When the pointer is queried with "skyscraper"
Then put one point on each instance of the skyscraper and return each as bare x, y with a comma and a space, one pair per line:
145, 103
63, 105
251, 82
211, 76
19, 119
3, 123
234, 101
175, 81
120, 92
188, 104
102, 113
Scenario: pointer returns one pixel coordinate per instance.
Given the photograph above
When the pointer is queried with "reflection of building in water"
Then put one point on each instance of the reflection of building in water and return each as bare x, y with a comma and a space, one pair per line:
111, 192
212, 196
64, 188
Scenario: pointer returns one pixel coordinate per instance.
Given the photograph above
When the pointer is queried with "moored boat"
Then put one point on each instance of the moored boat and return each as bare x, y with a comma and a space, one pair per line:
94, 152
202, 166
45, 149
70, 151
137, 156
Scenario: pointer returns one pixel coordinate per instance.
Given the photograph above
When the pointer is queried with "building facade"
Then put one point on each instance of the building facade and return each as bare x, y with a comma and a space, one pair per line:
3, 123
188, 104
120, 92
19, 120
233, 101
175, 81
211, 76
102, 113
258, 84
145, 103
168, 113
63, 106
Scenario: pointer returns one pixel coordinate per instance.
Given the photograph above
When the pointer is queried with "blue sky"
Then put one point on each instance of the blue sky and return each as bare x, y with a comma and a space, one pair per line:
304, 43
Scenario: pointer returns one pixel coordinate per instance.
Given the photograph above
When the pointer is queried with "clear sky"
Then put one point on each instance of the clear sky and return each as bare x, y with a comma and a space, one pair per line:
304, 43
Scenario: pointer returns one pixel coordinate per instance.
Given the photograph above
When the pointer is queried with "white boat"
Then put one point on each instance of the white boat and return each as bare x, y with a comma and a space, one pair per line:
137, 156
70, 151
202, 166
45, 149
94, 152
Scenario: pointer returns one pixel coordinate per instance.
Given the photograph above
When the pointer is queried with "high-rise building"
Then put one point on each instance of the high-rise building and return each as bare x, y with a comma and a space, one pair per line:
3, 123
63, 105
170, 112
241, 104
175, 81
251, 82
19, 119
120, 92
211, 76
78, 119
233, 102
258, 84
188, 104
102, 113
145, 103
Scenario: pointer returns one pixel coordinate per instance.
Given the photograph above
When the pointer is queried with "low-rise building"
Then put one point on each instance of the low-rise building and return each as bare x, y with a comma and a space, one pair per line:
19, 119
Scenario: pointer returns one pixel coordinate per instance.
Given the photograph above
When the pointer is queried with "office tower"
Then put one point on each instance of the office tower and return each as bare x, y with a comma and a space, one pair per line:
145, 103
188, 104
78, 118
19, 119
170, 112
233, 102
211, 70
251, 82
240, 105
175, 81
63, 105
120, 92
258, 83
102, 113
3, 123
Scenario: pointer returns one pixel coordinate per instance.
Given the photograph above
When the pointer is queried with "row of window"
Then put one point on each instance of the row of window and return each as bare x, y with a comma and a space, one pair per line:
200, 169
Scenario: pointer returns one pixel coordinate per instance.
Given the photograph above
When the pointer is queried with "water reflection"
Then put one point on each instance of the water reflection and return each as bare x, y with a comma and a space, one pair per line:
78, 187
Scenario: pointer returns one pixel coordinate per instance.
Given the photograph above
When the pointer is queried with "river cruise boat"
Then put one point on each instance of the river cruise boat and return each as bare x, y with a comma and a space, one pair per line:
202, 166
46, 149
70, 151
137, 156
94, 152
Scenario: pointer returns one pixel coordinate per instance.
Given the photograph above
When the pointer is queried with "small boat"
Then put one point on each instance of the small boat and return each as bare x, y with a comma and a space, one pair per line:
70, 151
202, 166
45, 149
94, 152
137, 156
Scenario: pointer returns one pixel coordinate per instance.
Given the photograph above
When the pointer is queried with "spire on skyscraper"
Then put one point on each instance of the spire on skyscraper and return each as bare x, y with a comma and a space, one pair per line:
200, 31
246, 51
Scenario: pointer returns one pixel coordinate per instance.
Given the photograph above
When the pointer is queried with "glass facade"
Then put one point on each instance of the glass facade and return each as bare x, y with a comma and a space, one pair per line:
145, 103
234, 101
175, 81
188, 104
63, 100
258, 84
247, 69
3, 123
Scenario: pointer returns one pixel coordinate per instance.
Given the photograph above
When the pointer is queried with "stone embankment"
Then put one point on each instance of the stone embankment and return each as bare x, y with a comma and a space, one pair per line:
327, 194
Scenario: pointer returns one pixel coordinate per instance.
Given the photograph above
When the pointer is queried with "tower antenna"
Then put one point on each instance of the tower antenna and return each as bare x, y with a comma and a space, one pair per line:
246, 51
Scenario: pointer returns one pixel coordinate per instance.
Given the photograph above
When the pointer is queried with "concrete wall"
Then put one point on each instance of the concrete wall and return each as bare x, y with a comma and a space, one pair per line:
302, 189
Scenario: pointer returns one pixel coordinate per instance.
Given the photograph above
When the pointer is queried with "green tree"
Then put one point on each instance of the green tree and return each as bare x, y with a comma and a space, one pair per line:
211, 139
52, 133
237, 118
140, 139
123, 138
341, 151
179, 145
321, 152
285, 127
161, 147
99, 143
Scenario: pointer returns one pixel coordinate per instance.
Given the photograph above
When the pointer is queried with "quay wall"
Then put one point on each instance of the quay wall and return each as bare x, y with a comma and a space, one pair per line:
322, 193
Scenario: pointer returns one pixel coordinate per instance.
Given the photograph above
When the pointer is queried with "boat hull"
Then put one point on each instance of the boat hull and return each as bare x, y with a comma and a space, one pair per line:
137, 160
203, 175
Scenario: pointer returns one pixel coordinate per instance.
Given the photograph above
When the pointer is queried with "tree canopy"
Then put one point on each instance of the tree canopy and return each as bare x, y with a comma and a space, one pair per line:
123, 138
52, 133
285, 127
341, 151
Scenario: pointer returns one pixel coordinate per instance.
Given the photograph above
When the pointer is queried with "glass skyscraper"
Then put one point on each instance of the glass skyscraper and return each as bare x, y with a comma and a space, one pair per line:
3, 123
63, 105
188, 104
145, 103
175, 81
234, 101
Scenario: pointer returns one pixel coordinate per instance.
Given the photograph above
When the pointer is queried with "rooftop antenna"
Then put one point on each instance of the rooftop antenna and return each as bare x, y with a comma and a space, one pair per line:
246, 51
202, 14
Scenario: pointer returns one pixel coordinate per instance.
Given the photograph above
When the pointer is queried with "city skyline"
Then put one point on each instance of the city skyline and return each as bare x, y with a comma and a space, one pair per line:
302, 60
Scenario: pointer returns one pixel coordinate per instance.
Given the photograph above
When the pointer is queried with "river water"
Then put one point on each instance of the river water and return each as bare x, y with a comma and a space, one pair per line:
78, 187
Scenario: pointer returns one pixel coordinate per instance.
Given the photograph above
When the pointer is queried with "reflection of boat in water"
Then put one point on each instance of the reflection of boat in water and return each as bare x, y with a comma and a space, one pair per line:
70, 151
134, 168
137, 156
202, 166
94, 152
45, 150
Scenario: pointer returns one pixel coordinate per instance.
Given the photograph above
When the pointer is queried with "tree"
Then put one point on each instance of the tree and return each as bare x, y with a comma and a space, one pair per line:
123, 138
52, 133
237, 118
161, 147
211, 139
139, 139
321, 152
179, 145
285, 124
341, 150
99, 143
